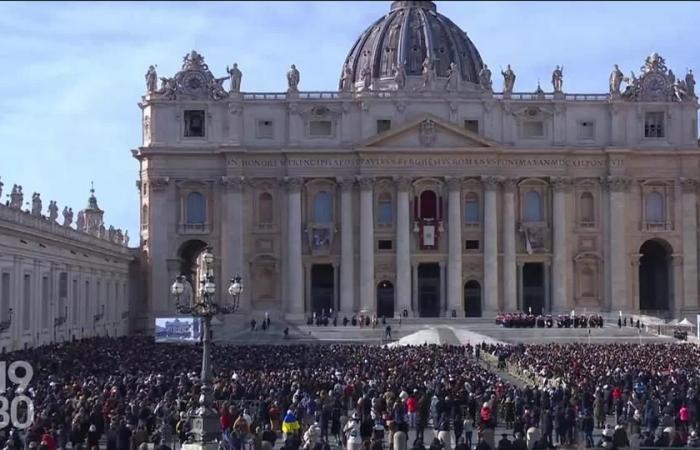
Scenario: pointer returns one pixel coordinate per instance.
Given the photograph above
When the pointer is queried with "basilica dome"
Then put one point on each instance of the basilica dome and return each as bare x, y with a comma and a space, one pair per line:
410, 32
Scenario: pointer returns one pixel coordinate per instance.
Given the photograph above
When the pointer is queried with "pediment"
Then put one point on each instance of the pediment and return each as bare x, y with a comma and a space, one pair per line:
428, 131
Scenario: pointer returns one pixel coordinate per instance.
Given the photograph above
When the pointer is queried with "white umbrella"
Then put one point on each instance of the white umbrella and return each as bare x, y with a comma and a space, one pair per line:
685, 323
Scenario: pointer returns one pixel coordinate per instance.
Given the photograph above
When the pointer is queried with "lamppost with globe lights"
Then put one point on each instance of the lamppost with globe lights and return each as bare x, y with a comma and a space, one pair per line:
205, 423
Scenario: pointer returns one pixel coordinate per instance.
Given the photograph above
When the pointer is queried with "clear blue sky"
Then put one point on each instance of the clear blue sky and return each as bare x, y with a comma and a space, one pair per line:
73, 73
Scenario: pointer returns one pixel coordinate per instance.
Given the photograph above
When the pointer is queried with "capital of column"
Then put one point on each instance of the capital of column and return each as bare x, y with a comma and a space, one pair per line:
561, 183
293, 184
346, 184
454, 183
491, 183
234, 184
618, 184
676, 259
366, 183
402, 183
158, 183
689, 185
509, 184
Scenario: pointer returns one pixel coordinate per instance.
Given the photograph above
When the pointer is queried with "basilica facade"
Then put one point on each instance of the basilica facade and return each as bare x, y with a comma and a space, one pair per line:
422, 186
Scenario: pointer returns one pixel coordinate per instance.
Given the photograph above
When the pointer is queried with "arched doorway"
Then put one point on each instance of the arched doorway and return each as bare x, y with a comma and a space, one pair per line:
189, 254
472, 299
429, 289
322, 286
385, 299
654, 276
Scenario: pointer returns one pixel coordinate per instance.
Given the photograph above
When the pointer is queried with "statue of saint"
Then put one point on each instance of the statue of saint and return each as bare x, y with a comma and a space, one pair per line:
485, 78
126, 238
428, 73
53, 211
616, 77
690, 83
293, 79
452, 77
80, 223
151, 80
558, 78
236, 76
36, 204
346, 80
508, 80
67, 216
400, 76
366, 75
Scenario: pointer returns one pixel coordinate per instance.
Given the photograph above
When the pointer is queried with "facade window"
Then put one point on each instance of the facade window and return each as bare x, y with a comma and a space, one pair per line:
196, 208
384, 244
323, 204
383, 125
265, 208
533, 129
586, 208
586, 130
194, 123
655, 208
654, 124
45, 302
5, 296
264, 129
144, 217
471, 125
471, 208
533, 207
320, 128
27, 300
385, 213
471, 244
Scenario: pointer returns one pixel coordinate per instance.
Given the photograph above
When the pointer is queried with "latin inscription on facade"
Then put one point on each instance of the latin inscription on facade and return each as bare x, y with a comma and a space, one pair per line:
423, 162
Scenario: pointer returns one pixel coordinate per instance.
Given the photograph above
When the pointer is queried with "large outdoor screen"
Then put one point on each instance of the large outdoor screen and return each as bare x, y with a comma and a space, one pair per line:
177, 329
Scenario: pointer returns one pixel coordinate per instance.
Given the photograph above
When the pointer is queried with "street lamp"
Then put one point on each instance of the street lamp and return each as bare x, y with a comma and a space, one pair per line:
205, 422
58, 321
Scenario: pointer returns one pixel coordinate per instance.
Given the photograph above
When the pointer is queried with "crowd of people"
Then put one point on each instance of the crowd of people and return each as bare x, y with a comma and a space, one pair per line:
528, 320
119, 393
122, 392
652, 391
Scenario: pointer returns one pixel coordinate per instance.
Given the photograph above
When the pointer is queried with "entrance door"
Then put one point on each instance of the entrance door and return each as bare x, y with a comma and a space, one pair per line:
654, 286
385, 299
429, 290
322, 286
533, 288
472, 299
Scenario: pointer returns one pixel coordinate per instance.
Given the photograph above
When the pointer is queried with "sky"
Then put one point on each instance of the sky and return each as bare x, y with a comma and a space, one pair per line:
73, 73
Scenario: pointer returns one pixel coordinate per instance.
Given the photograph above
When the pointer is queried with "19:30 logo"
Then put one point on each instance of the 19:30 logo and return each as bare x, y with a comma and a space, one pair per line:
20, 411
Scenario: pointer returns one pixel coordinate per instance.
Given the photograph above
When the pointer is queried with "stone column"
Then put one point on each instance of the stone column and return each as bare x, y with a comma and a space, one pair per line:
617, 192
490, 246
367, 298
347, 251
232, 235
403, 246
690, 245
560, 261
521, 300
161, 221
455, 290
295, 288
510, 300
415, 305
442, 287
547, 286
